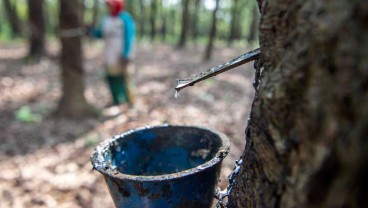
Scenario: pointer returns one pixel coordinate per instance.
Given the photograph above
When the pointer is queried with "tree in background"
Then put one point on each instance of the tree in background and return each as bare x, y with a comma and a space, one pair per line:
73, 102
195, 20
12, 16
212, 33
153, 18
235, 23
306, 141
36, 28
184, 24
142, 19
95, 12
163, 29
172, 21
253, 29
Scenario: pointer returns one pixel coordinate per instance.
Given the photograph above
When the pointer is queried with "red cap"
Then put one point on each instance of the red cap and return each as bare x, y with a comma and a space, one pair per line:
115, 6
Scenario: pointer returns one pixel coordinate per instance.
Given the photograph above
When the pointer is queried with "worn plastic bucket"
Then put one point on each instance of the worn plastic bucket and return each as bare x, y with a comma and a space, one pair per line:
162, 166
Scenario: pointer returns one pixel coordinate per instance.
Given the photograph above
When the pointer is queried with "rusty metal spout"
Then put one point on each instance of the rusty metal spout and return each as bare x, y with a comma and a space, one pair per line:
243, 59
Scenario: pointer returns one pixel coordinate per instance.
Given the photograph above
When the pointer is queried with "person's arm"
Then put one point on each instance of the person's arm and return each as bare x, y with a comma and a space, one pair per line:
97, 31
129, 34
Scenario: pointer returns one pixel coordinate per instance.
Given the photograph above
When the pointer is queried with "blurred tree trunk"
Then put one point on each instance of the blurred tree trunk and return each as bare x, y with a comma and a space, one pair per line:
164, 27
95, 12
235, 28
306, 141
142, 19
47, 21
73, 102
212, 34
36, 28
129, 5
163, 21
184, 24
172, 21
82, 11
12, 15
153, 18
252, 36
195, 19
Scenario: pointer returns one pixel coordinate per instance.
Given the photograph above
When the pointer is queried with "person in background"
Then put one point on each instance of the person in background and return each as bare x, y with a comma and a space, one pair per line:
117, 29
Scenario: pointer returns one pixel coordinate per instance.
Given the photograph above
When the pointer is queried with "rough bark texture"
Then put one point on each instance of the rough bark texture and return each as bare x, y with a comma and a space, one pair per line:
13, 18
306, 140
36, 28
72, 103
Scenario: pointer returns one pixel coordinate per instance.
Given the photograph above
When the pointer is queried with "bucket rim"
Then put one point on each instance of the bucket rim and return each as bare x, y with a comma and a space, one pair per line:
99, 162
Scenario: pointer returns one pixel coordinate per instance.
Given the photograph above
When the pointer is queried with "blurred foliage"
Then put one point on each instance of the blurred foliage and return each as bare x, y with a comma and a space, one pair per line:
168, 18
25, 114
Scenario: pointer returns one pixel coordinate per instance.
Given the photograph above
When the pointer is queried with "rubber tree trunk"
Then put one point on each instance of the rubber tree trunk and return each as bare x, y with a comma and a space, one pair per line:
212, 34
306, 141
164, 26
171, 22
142, 19
235, 28
253, 33
153, 17
195, 20
95, 12
13, 18
73, 102
36, 28
184, 24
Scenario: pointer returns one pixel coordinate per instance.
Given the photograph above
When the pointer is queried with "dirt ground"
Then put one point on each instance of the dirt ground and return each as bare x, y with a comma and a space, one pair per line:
45, 163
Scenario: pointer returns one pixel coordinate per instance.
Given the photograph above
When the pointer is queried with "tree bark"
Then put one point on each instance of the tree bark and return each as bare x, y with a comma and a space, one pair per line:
306, 140
36, 28
73, 102
184, 24
13, 18
212, 34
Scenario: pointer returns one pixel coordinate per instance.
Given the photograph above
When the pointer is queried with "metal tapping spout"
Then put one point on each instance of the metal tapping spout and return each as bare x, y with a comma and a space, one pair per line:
243, 59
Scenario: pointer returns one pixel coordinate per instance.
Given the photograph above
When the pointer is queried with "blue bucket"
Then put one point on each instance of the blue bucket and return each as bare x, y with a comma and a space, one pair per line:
162, 166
